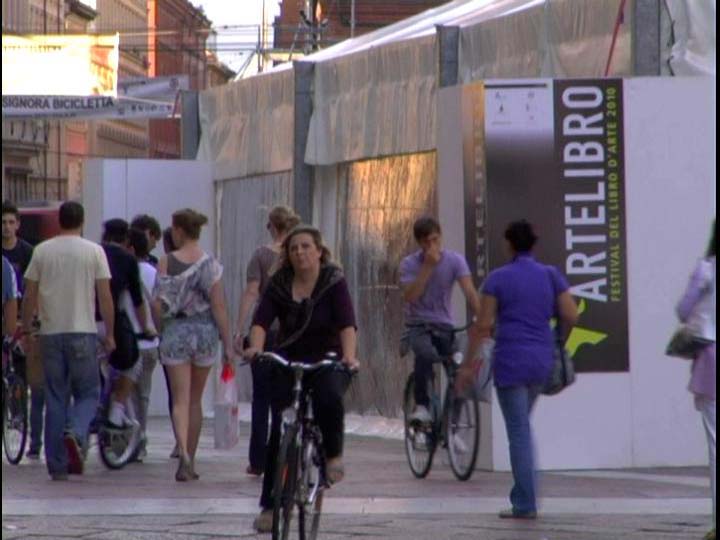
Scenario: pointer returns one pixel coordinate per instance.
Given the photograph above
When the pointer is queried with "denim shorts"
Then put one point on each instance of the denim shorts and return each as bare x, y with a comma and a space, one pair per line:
193, 339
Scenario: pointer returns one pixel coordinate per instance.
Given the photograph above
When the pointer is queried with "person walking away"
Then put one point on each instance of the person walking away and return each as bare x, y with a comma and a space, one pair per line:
149, 344
427, 278
150, 226
125, 280
168, 247
189, 303
699, 301
66, 275
307, 277
281, 221
520, 299
19, 252
10, 295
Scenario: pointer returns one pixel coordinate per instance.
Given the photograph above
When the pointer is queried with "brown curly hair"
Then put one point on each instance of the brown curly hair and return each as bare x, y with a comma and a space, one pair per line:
326, 255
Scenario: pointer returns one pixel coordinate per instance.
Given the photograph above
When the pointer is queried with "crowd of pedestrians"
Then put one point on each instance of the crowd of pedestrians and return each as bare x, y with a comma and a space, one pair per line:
114, 302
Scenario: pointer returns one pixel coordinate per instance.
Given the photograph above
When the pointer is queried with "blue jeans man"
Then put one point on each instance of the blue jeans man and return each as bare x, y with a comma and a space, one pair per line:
71, 370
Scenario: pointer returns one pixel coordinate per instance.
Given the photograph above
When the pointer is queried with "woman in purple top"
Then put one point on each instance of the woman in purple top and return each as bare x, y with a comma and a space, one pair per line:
519, 300
699, 299
309, 297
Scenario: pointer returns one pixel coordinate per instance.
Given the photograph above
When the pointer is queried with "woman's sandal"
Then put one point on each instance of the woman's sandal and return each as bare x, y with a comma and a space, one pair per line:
335, 472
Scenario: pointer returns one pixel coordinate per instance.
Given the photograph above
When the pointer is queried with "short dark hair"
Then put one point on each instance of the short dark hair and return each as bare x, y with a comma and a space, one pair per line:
115, 230
425, 226
712, 246
144, 222
71, 215
9, 208
139, 242
189, 221
521, 236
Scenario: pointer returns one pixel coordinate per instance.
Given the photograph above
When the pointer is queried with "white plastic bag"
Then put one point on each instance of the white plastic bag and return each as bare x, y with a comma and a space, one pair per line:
483, 379
227, 416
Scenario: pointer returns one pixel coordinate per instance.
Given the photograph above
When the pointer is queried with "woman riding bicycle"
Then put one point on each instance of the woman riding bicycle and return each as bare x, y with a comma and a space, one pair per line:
309, 297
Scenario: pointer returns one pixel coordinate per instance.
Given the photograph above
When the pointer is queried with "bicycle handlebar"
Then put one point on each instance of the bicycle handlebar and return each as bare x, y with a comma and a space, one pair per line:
305, 368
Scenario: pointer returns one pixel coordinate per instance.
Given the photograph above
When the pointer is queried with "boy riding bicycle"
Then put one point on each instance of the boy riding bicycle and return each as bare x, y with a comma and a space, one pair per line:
427, 278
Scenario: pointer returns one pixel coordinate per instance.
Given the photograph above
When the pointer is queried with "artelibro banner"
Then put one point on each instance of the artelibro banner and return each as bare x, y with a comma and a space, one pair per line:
554, 155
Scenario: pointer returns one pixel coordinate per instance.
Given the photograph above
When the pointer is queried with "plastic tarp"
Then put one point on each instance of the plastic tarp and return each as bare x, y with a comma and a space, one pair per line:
550, 38
244, 208
246, 127
375, 95
693, 29
373, 103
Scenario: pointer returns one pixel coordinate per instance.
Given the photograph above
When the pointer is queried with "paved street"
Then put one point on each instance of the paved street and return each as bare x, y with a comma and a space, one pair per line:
378, 500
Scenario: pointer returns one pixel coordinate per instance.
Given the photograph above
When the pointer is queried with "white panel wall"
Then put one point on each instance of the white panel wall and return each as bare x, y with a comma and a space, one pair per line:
670, 164
121, 188
644, 418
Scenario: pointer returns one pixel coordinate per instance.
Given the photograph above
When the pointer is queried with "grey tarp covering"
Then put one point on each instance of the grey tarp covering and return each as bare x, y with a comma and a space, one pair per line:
244, 207
375, 95
551, 38
374, 103
694, 31
247, 126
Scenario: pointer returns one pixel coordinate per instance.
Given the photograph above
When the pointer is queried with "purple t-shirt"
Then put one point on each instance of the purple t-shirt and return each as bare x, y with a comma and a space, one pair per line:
526, 292
434, 306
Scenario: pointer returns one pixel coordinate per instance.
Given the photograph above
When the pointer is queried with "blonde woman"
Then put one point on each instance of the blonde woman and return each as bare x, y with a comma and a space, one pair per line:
190, 302
281, 221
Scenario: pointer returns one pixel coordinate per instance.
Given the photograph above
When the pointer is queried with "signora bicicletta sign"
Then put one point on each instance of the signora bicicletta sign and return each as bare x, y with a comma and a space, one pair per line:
552, 152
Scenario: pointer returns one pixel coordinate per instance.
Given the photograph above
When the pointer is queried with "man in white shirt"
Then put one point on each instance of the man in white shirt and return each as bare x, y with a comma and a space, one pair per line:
64, 277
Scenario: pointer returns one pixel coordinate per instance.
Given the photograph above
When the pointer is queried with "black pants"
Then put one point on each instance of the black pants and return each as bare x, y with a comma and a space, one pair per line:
327, 388
430, 346
261, 399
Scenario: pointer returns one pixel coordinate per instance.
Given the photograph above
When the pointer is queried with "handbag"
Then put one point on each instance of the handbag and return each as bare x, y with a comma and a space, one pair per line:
684, 344
126, 351
563, 370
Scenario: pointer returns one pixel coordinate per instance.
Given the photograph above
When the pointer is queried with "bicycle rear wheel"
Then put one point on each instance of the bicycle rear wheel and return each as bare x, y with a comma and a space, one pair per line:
15, 418
286, 481
420, 439
462, 424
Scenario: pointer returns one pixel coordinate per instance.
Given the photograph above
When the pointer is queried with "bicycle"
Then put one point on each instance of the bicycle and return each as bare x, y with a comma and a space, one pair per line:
455, 424
14, 402
301, 477
117, 446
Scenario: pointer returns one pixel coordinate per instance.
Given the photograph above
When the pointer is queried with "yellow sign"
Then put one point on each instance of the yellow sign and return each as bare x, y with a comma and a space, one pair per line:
60, 65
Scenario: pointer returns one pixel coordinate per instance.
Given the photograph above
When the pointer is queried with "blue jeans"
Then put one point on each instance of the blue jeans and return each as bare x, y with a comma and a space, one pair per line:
71, 370
516, 404
37, 406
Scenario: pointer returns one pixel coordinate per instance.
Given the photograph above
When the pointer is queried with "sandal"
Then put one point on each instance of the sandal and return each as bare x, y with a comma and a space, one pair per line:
335, 471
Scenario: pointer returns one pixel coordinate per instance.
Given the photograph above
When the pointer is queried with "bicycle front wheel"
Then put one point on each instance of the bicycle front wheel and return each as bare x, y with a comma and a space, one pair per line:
420, 439
462, 425
15, 419
286, 482
312, 486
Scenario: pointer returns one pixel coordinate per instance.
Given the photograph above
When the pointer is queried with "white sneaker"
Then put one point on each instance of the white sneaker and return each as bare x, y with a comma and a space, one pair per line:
119, 418
421, 415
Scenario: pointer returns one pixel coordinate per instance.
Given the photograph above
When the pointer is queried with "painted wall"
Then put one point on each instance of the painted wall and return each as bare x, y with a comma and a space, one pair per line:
124, 188
645, 417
